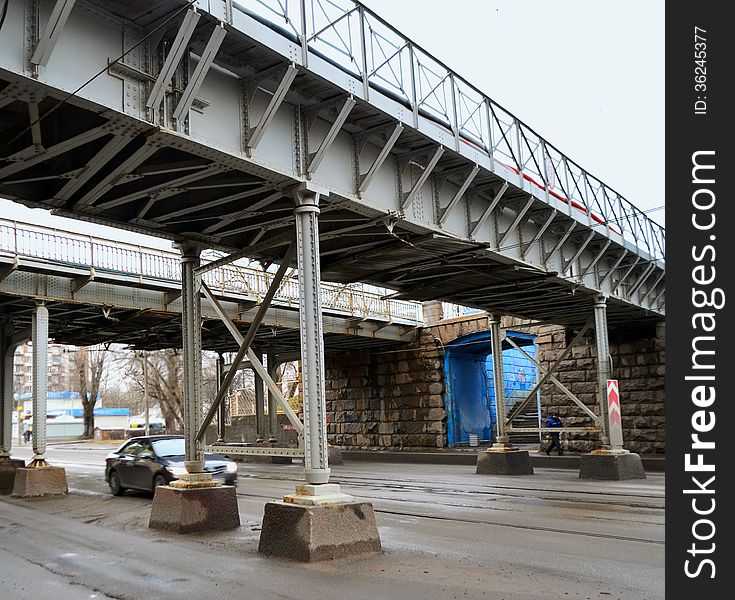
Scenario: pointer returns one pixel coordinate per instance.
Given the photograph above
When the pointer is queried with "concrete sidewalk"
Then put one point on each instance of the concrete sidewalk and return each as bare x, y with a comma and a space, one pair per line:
652, 463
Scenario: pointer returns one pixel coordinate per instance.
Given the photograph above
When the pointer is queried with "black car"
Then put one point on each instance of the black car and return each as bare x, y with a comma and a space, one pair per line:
144, 463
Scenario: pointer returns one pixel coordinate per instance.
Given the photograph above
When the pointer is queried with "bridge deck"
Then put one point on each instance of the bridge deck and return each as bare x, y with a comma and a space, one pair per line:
100, 290
434, 189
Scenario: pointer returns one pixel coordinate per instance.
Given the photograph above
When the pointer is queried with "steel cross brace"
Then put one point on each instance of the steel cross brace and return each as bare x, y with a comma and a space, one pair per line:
518, 408
245, 342
555, 381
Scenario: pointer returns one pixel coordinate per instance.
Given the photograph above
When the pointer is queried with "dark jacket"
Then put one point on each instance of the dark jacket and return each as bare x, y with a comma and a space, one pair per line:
552, 421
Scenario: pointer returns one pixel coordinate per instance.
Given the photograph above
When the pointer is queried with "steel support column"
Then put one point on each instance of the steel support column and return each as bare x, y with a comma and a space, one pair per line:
191, 335
259, 404
222, 410
6, 389
603, 364
316, 467
496, 341
40, 384
272, 401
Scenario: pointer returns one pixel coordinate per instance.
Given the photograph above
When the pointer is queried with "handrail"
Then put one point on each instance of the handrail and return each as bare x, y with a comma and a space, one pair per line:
104, 255
356, 39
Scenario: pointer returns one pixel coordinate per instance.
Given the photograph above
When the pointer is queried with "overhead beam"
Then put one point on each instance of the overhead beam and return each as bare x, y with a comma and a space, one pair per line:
488, 211
256, 133
460, 192
328, 140
516, 221
197, 78
596, 259
367, 178
560, 243
406, 201
539, 233
60, 148
249, 211
175, 54
47, 40
98, 161
581, 248
613, 268
175, 183
109, 180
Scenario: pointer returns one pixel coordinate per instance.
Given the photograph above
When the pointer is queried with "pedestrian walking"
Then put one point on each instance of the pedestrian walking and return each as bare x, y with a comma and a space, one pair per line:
553, 420
27, 430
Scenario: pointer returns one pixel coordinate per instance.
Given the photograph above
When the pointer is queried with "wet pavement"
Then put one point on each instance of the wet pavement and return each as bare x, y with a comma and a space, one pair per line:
446, 533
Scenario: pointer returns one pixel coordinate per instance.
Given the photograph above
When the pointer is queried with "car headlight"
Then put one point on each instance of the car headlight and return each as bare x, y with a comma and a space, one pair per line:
176, 471
231, 467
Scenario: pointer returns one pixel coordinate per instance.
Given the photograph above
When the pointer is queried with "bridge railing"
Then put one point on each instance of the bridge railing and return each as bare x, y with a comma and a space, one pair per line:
354, 38
103, 255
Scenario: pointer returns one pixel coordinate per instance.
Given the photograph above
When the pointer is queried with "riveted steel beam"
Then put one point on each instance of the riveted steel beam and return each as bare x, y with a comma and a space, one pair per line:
458, 195
256, 133
368, 177
406, 201
47, 40
488, 211
175, 54
200, 72
316, 159
516, 221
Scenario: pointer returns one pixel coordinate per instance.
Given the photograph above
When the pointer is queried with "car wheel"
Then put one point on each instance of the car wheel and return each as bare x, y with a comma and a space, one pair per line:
115, 487
158, 481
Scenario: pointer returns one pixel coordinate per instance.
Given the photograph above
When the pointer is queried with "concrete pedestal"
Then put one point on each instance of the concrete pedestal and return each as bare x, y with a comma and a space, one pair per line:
322, 532
183, 510
8, 467
334, 455
504, 462
36, 482
611, 467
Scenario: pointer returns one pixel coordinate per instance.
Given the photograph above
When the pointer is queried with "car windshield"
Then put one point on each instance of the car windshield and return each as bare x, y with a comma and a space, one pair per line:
169, 447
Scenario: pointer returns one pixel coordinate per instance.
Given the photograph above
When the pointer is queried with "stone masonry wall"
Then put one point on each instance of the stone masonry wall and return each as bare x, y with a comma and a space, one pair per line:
395, 399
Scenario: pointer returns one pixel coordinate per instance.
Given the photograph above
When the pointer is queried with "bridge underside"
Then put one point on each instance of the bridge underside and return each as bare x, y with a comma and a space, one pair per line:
102, 166
82, 324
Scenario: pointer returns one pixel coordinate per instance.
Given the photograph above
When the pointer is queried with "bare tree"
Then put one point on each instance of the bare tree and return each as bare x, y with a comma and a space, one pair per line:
89, 366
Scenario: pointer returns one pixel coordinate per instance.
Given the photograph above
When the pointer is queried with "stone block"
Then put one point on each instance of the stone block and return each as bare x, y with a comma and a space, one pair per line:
313, 533
611, 467
37, 482
8, 466
192, 510
513, 462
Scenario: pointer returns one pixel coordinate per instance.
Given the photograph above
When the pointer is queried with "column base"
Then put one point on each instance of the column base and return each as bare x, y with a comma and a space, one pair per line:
37, 482
189, 510
8, 466
314, 533
504, 461
611, 466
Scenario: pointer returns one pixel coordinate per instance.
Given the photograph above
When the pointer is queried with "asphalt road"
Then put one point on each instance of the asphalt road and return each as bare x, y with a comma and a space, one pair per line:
446, 533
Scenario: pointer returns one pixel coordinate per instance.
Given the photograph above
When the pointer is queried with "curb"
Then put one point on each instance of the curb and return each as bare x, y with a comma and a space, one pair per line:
571, 461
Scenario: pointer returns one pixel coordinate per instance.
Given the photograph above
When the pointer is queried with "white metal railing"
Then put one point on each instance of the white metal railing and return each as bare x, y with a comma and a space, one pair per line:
104, 255
351, 36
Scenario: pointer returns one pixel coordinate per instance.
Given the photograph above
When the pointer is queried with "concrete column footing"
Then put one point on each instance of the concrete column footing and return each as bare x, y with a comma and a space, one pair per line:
8, 466
611, 466
334, 456
37, 482
189, 510
508, 461
314, 533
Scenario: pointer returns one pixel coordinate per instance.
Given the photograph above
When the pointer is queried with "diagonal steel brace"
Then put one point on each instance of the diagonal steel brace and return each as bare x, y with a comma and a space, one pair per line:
246, 340
555, 381
518, 408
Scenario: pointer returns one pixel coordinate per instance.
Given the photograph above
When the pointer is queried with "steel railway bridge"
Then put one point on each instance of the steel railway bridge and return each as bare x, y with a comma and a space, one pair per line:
229, 124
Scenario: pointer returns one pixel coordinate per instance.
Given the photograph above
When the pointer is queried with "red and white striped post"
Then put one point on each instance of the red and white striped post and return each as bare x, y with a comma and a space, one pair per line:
614, 417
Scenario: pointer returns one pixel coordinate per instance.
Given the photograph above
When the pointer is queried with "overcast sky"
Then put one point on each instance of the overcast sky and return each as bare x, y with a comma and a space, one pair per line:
586, 75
